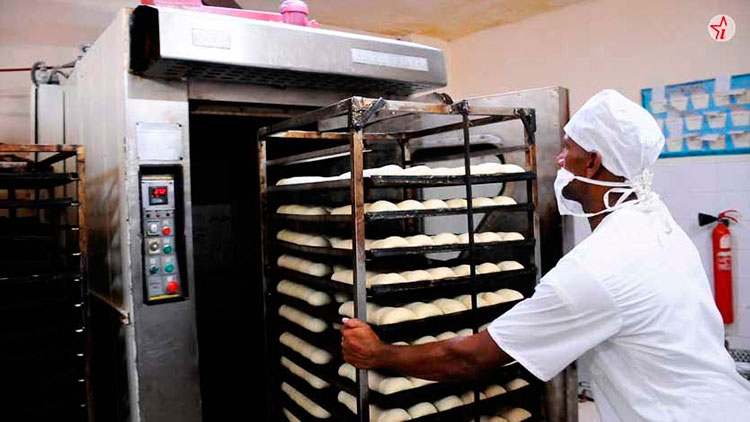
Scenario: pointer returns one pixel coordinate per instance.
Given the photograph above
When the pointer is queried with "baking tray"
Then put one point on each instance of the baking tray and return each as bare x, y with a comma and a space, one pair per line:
399, 215
406, 182
35, 180
422, 250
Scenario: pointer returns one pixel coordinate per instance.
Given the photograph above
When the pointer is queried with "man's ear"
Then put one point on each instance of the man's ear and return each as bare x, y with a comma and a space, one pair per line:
593, 164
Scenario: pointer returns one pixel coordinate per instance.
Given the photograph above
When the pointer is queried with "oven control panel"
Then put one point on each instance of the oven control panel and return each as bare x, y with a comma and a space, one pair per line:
160, 246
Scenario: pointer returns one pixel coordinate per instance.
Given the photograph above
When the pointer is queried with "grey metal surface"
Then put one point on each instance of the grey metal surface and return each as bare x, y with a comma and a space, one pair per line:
225, 48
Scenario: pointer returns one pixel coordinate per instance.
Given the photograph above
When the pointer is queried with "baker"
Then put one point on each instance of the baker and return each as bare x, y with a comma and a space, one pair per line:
631, 302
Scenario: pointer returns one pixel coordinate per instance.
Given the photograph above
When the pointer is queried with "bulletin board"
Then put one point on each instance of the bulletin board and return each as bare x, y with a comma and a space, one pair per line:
709, 117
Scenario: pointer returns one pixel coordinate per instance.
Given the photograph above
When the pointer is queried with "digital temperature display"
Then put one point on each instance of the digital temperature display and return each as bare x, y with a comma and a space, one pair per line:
157, 195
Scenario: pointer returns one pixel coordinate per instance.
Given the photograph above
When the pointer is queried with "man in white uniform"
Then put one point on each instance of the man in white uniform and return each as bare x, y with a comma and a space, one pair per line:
631, 301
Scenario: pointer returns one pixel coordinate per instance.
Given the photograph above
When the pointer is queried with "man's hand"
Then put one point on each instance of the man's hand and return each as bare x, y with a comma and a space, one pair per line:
360, 345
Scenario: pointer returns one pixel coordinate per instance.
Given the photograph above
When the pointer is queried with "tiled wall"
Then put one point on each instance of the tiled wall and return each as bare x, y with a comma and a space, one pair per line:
711, 185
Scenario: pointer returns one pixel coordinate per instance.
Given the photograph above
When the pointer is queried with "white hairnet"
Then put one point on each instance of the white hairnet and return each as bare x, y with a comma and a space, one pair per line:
624, 133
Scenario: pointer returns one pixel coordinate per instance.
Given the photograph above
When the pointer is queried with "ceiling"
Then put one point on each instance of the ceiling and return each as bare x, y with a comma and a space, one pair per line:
444, 19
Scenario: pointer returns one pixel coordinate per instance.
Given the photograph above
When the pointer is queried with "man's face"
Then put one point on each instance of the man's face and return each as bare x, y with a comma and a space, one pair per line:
573, 158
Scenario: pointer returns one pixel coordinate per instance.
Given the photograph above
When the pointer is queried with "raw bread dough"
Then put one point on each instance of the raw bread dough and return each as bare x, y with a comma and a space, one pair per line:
303, 265
440, 171
440, 273
409, 205
347, 309
492, 419
390, 242
445, 239
486, 168
388, 315
393, 415
484, 326
388, 278
446, 335
301, 210
487, 237
468, 397
423, 340
456, 171
504, 200
448, 403
302, 373
401, 343
494, 390
449, 306
305, 349
462, 270
350, 372
388, 170
345, 210
487, 268
419, 240
419, 382
347, 276
383, 206
457, 203
515, 414
509, 295
313, 297
310, 406
482, 202
301, 180
434, 204
416, 275
424, 310
465, 332
394, 385
422, 409
491, 298
302, 239
466, 301
512, 236
341, 297
417, 171
509, 266
512, 168
516, 384
290, 416
300, 318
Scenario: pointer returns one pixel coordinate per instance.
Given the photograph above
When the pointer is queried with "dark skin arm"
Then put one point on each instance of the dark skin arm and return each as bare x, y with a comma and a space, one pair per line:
456, 359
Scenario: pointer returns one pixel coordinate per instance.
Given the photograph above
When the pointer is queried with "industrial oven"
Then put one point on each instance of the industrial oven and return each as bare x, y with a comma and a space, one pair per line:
168, 104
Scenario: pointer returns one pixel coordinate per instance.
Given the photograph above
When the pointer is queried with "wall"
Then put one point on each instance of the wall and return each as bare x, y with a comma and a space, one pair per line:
629, 45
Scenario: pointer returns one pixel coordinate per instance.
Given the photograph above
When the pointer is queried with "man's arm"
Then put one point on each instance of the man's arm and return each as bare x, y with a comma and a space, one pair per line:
459, 358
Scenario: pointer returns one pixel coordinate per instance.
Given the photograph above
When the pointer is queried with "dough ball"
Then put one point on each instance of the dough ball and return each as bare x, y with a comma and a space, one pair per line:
389, 315
434, 204
440, 273
421, 409
388, 278
462, 270
393, 415
419, 382
423, 340
416, 275
448, 403
504, 200
487, 268
509, 295
509, 266
391, 242
465, 332
445, 239
482, 202
494, 390
424, 310
449, 306
516, 384
507, 237
446, 336
457, 203
515, 414
490, 298
394, 385
512, 168
419, 240
466, 301
383, 206
410, 205
417, 171
487, 237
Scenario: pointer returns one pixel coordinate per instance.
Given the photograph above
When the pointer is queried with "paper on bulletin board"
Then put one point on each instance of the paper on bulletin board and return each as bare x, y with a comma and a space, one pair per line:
706, 117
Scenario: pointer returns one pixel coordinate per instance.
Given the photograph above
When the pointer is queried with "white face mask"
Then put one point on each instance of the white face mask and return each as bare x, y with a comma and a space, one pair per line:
641, 187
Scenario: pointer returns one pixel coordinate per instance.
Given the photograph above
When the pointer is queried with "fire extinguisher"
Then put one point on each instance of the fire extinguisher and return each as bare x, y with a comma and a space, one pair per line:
722, 255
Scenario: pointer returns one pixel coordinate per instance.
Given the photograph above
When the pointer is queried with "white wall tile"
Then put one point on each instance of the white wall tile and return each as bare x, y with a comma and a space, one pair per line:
734, 176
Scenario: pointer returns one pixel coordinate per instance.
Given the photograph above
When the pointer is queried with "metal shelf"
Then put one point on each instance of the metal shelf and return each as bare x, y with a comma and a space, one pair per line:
37, 203
36, 180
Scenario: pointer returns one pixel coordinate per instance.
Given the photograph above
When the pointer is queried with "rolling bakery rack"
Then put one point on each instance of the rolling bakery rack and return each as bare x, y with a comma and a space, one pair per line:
296, 146
43, 333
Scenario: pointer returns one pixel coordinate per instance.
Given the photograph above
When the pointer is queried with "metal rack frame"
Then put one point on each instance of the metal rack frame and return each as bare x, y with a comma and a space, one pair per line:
361, 113
49, 186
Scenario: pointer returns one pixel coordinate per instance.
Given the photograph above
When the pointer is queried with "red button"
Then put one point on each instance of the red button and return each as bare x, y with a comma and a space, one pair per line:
166, 230
172, 287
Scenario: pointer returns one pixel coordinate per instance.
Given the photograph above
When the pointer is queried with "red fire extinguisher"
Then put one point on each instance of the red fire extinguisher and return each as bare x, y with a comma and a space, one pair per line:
722, 254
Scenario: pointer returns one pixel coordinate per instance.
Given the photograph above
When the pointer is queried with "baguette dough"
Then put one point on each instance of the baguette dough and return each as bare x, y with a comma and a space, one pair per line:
303, 265
516, 384
491, 298
310, 406
447, 336
416, 275
383, 206
515, 414
448, 403
434, 204
440, 273
388, 315
393, 415
422, 409
494, 390
350, 372
347, 276
462, 270
488, 237
417, 171
419, 382
482, 202
290, 416
424, 310
487, 168
300, 318
312, 297
509, 266
297, 370
468, 397
302, 239
449, 306
394, 385
465, 332
423, 340
512, 168
487, 268
457, 203
391, 242
388, 278
466, 301
312, 353
504, 200
509, 295
410, 205
347, 309
445, 239
507, 237
419, 240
